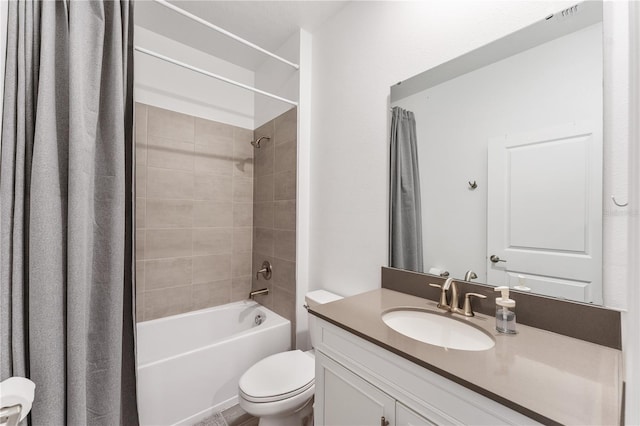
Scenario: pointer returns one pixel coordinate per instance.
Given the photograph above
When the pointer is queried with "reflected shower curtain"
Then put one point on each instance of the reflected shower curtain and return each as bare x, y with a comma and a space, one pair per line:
405, 215
66, 258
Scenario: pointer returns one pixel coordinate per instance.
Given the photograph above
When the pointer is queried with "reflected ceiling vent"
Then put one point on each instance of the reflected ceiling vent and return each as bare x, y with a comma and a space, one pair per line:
569, 12
573, 10
565, 13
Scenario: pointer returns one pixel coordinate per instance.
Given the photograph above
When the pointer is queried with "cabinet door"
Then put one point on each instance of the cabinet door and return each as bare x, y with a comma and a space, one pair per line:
407, 417
345, 399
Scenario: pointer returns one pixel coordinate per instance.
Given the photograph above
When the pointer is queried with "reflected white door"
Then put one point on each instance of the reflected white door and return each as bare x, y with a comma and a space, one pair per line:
545, 211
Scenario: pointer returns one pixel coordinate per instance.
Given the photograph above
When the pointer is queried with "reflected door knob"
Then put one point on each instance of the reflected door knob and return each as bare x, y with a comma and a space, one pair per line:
495, 259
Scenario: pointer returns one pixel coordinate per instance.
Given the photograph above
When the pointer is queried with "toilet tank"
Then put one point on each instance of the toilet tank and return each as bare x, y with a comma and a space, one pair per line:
314, 298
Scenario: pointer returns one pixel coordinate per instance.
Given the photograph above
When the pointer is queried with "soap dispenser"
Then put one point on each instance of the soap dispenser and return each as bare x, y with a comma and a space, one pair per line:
522, 284
505, 319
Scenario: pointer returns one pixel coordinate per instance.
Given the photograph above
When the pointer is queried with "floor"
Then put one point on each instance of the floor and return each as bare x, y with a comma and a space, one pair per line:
234, 416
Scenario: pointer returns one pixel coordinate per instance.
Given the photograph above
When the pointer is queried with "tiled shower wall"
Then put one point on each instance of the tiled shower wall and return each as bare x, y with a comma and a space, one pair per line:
274, 213
194, 212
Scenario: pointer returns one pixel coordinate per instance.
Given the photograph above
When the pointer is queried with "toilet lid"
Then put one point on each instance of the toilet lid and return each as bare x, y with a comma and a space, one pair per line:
278, 376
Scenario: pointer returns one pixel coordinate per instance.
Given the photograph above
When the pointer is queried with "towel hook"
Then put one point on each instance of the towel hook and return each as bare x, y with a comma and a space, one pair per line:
473, 185
619, 204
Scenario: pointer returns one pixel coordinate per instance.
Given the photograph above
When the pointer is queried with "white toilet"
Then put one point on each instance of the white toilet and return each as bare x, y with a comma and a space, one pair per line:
279, 389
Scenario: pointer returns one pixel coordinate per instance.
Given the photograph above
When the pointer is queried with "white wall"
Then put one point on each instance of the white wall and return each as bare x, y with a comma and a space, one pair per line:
357, 56
552, 84
279, 79
303, 196
169, 86
632, 213
616, 152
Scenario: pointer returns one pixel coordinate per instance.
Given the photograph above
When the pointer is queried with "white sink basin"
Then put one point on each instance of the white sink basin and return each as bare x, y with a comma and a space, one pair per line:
438, 330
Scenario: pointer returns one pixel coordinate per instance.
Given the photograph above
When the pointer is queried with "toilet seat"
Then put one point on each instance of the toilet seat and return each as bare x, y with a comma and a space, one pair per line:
278, 377
275, 398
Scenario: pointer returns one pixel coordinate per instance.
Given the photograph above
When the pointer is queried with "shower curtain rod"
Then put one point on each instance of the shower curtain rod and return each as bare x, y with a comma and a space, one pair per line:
210, 74
225, 32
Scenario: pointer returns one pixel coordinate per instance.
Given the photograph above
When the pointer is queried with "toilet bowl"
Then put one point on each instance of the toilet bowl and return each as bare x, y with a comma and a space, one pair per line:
279, 389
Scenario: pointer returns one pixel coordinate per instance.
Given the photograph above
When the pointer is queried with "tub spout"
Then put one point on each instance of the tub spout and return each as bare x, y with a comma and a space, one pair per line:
255, 293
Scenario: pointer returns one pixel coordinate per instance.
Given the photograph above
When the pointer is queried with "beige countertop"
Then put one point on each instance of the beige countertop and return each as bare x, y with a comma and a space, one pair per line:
541, 374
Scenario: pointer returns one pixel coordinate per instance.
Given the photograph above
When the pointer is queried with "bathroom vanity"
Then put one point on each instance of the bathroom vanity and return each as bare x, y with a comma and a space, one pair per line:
367, 373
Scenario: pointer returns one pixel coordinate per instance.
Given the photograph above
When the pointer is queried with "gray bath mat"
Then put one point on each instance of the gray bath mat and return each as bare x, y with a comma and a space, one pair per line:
217, 419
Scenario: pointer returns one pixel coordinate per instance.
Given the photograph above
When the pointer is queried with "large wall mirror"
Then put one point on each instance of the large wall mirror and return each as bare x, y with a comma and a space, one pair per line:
509, 156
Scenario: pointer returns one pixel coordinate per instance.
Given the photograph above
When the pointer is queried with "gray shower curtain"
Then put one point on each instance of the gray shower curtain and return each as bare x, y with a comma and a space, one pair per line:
405, 215
66, 258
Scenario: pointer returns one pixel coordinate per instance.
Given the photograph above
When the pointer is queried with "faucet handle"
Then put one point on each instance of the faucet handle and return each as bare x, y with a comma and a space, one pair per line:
467, 310
443, 296
266, 270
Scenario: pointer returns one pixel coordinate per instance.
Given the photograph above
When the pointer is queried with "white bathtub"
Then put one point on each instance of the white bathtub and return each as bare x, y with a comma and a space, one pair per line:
189, 364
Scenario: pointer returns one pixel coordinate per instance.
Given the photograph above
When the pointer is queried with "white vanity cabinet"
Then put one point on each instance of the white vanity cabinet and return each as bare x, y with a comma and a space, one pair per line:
407, 417
348, 399
360, 383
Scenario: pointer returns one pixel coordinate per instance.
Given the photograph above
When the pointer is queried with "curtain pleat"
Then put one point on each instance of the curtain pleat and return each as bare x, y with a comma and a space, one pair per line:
67, 210
405, 215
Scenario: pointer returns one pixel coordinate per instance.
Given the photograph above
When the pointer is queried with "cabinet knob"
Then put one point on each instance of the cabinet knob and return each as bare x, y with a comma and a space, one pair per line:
383, 421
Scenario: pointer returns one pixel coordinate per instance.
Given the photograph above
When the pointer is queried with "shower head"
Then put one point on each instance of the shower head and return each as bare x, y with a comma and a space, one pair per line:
256, 143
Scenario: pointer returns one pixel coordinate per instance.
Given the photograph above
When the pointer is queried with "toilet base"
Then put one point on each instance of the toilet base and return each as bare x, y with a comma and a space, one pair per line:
302, 417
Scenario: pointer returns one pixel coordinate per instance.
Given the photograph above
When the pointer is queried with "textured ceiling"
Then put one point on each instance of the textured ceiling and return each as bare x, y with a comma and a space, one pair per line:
266, 23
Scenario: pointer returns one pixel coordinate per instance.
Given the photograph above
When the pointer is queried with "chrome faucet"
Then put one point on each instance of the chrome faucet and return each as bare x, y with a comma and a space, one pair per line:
453, 306
470, 275
255, 293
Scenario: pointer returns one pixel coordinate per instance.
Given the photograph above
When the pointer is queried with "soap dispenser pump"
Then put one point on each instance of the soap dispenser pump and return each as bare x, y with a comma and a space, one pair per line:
522, 284
505, 319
